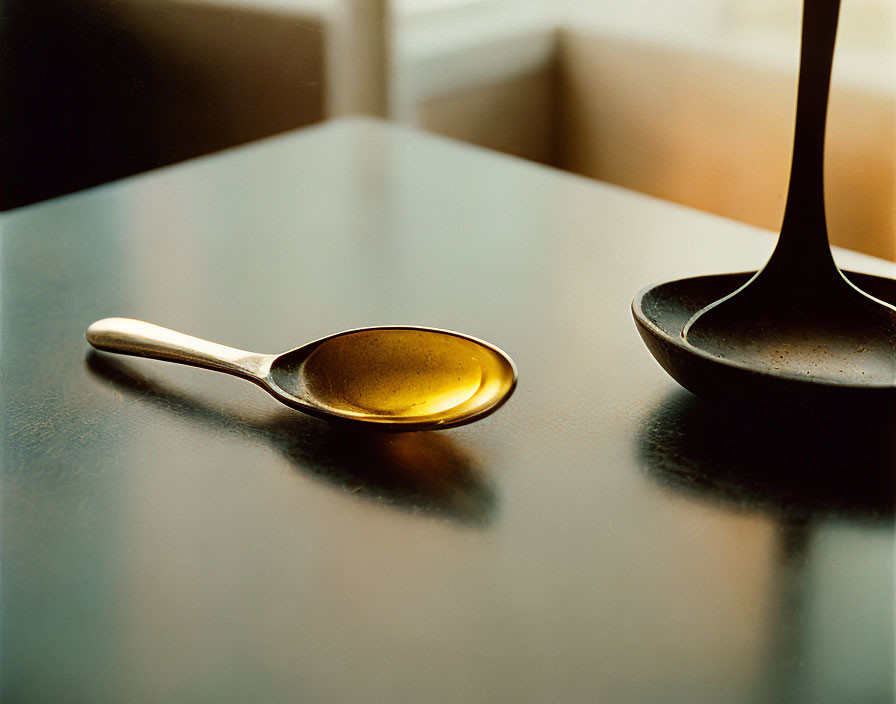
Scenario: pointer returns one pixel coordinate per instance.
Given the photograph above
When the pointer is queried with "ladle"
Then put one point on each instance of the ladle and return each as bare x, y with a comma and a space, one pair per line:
393, 377
799, 317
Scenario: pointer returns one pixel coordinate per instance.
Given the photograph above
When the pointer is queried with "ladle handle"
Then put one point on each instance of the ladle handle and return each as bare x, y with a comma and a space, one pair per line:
142, 339
804, 230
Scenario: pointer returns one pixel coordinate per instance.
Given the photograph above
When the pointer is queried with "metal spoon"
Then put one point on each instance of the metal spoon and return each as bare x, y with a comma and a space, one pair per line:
799, 316
395, 377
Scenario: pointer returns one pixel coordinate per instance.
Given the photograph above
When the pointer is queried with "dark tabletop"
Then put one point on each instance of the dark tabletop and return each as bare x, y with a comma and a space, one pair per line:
174, 535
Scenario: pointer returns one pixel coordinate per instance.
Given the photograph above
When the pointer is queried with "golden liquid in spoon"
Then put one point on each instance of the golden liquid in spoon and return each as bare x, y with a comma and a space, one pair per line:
406, 375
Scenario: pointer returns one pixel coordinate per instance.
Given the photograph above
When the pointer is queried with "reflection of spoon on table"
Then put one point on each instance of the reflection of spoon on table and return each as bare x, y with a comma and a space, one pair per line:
420, 471
798, 467
392, 377
806, 476
799, 316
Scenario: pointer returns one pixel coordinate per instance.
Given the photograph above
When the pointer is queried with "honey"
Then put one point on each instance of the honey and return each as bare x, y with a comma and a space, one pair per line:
406, 375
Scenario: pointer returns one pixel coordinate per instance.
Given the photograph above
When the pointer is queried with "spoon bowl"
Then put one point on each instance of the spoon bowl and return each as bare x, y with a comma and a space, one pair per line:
391, 377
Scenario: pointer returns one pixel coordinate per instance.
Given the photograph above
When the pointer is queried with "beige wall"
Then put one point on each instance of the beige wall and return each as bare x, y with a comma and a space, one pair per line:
516, 115
715, 134
706, 131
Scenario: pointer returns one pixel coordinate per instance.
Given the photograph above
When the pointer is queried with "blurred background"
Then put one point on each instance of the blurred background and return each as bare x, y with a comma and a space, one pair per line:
688, 100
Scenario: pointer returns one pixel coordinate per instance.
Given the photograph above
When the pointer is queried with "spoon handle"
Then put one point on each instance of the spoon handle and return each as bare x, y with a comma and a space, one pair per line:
141, 339
804, 230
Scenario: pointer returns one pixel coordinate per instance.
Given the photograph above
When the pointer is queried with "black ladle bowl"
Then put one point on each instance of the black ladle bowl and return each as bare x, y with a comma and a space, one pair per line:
662, 310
